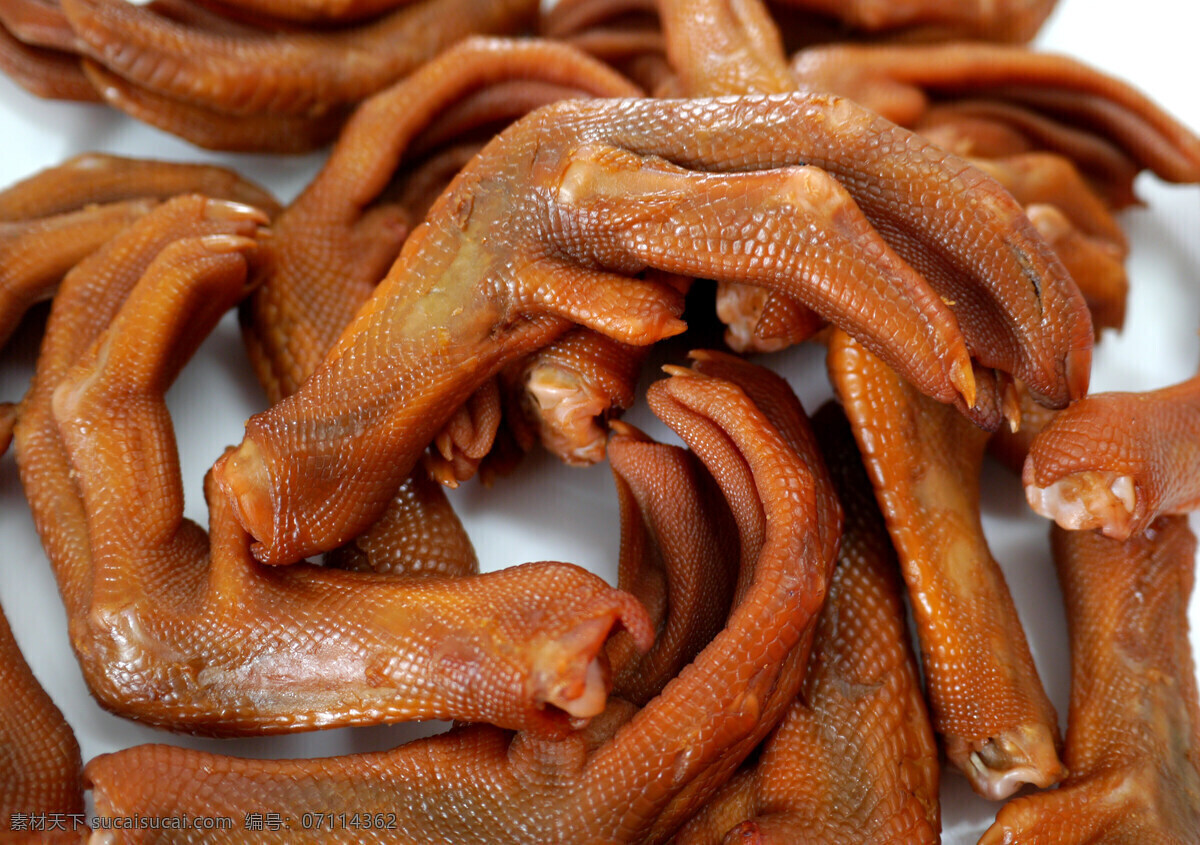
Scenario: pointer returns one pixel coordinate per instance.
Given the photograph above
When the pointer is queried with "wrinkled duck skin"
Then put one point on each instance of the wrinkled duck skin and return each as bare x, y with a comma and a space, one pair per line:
336, 241
157, 608
854, 759
252, 84
52, 220
40, 768
1133, 736
587, 190
1118, 461
633, 775
1109, 128
988, 704
278, 71
1006, 20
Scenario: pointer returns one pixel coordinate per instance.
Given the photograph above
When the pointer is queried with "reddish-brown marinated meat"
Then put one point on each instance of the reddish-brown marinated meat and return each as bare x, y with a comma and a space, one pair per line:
264, 132
632, 775
1133, 735
1118, 461
40, 769
35, 254
158, 611
897, 82
335, 242
97, 178
854, 759
44, 72
1006, 20
38, 23
678, 556
583, 189
279, 71
924, 460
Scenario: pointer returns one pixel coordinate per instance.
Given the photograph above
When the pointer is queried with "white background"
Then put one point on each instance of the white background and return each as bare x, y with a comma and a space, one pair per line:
550, 512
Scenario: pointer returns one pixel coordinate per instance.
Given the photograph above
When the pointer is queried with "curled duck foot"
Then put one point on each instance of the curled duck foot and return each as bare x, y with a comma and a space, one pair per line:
1118, 461
478, 783
152, 600
590, 191
1057, 102
854, 758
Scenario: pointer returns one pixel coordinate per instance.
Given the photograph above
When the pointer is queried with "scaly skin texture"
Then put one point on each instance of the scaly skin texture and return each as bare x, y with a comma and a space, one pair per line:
569, 389
295, 73
1133, 736
53, 219
35, 254
988, 704
587, 190
997, 129
1118, 461
40, 769
214, 130
1098, 265
854, 759
677, 556
157, 609
897, 82
336, 240
719, 48
334, 243
96, 178
1076, 223
630, 776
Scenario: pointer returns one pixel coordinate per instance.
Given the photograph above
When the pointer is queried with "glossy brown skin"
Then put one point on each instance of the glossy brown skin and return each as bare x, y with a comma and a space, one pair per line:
924, 460
720, 48
995, 129
1118, 461
418, 536
336, 241
317, 11
588, 188
44, 72
40, 769
38, 23
1007, 20
897, 81
569, 389
97, 178
34, 255
678, 556
1096, 264
214, 130
296, 73
1133, 735
158, 609
630, 776
1077, 225
854, 759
